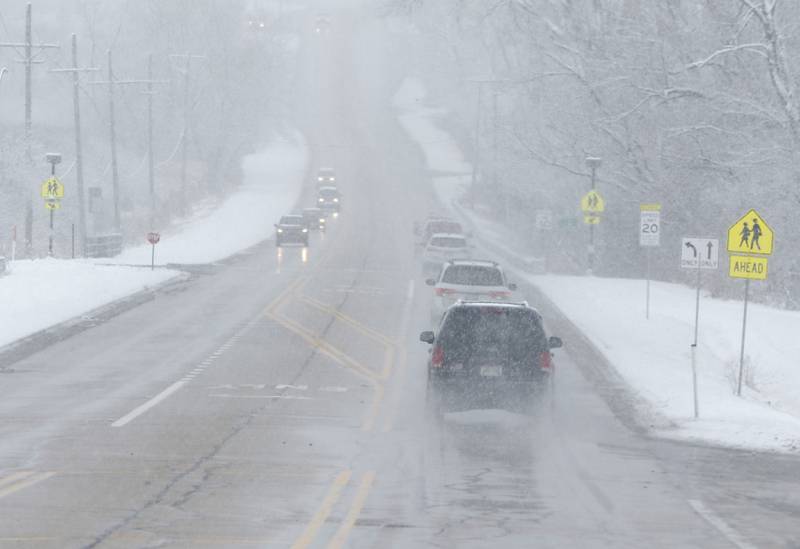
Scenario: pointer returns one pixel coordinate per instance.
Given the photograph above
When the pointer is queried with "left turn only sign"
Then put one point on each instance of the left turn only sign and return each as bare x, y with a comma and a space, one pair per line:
52, 189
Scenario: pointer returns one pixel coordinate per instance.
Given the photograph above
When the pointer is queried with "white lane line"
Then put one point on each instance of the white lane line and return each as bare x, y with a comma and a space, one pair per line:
332, 389
268, 397
295, 387
136, 412
410, 291
724, 528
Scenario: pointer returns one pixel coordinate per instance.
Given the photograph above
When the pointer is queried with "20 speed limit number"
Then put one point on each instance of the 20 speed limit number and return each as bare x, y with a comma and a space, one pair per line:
650, 228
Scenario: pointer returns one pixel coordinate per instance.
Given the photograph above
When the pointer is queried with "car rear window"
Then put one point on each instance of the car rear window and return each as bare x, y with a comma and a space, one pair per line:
291, 220
444, 227
473, 275
469, 329
448, 242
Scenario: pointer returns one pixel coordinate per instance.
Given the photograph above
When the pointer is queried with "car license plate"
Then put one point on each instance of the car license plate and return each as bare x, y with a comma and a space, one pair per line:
491, 371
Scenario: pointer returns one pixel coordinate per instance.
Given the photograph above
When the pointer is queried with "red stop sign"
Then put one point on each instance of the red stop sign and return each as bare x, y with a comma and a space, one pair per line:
153, 238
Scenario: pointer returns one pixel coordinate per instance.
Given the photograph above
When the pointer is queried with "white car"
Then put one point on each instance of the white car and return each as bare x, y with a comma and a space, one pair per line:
443, 247
468, 280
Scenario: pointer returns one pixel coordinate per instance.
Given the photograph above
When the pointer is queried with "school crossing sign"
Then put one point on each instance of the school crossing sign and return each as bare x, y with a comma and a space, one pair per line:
749, 240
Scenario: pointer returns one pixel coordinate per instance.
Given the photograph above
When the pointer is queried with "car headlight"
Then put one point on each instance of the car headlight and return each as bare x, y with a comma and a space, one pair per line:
305, 230
280, 230
336, 200
321, 200
322, 220
320, 179
332, 179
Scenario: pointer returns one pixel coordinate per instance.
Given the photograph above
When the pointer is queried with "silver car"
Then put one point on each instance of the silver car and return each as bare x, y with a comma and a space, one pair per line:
470, 280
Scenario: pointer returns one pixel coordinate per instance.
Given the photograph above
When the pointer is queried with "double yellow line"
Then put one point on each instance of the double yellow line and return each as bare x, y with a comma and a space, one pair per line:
326, 507
21, 480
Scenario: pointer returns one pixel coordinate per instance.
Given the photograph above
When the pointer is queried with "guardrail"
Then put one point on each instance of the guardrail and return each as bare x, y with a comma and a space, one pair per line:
106, 245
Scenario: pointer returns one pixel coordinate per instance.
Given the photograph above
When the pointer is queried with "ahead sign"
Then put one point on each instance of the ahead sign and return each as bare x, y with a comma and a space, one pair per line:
700, 252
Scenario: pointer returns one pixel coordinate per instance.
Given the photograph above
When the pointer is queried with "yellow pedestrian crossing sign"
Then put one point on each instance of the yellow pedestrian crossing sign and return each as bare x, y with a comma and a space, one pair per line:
591, 219
592, 202
52, 189
750, 235
754, 268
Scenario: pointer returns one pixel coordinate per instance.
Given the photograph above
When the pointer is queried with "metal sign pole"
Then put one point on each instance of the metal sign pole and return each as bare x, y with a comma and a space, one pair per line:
647, 300
153, 258
744, 332
697, 305
694, 380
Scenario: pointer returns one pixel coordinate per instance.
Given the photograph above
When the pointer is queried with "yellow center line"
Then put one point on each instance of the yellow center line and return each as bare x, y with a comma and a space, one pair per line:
25, 482
319, 518
365, 330
355, 510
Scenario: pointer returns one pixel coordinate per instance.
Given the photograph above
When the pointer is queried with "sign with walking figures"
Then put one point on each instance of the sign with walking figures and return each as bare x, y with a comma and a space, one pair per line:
750, 235
749, 267
650, 225
593, 203
700, 252
52, 189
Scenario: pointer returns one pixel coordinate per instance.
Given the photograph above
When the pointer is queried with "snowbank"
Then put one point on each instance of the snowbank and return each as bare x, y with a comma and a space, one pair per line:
273, 181
38, 294
652, 356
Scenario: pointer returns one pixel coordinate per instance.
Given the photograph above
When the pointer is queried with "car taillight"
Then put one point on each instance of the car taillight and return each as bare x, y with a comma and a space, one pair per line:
499, 295
546, 361
437, 357
444, 291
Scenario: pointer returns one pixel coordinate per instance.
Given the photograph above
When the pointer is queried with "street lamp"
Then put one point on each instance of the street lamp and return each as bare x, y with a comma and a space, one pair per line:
592, 162
52, 159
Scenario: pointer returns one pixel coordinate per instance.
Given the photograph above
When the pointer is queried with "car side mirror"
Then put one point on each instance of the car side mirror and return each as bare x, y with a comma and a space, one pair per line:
430, 282
427, 337
555, 342
512, 287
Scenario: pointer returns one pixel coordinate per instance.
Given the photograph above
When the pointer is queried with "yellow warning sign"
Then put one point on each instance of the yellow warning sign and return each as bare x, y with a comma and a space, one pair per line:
52, 204
592, 202
591, 219
742, 266
52, 189
750, 235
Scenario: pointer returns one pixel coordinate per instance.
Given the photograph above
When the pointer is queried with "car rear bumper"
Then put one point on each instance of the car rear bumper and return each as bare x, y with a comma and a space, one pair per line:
467, 393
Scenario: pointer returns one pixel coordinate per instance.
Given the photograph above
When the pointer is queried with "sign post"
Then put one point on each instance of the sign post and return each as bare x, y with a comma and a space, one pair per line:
649, 236
750, 235
698, 254
153, 239
592, 205
52, 191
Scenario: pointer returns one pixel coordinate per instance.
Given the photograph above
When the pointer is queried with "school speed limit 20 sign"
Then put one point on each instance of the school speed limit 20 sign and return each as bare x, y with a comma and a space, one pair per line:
650, 225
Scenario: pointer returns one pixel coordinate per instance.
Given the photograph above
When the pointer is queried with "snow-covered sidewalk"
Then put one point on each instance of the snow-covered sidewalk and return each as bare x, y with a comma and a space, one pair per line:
273, 181
652, 356
38, 294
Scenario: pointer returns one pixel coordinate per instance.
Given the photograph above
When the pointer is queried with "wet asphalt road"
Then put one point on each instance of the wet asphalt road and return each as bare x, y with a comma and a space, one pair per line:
278, 399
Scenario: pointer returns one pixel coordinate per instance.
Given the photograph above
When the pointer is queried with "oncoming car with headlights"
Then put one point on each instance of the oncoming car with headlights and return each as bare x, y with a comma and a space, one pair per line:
291, 229
329, 199
315, 219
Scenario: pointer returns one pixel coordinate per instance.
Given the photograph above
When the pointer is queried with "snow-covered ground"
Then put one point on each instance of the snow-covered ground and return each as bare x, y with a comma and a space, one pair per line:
653, 356
273, 180
37, 294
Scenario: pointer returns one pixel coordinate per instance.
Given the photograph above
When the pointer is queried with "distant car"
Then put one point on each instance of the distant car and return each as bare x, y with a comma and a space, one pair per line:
322, 25
443, 247
468, 279
329, 199
489, 355
315, 219
434, 225
326, 176
291, 229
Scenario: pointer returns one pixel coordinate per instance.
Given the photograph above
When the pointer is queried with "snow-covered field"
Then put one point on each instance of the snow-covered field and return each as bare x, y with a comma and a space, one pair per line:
273, 180
37, 294
653, 356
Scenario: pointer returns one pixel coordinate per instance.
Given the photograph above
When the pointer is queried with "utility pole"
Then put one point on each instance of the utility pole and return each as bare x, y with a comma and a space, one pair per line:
112, 83
151, 173
76, 102
593, 163
28, 59
186, 119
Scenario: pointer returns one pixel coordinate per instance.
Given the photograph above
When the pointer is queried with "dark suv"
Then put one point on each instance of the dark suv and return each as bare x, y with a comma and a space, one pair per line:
489, 355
